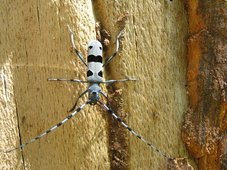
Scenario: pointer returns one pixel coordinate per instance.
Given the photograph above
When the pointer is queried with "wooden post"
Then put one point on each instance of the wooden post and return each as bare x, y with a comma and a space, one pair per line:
35, 45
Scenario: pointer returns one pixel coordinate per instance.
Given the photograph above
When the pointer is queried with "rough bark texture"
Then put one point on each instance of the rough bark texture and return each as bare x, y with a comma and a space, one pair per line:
34, 45
205, 127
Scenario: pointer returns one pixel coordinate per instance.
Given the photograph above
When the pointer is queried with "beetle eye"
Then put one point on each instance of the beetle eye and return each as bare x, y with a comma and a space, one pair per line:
90, 47
100, 48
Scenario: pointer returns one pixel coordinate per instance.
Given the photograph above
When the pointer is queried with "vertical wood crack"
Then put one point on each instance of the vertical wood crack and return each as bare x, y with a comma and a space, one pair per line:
19, 130
118, 136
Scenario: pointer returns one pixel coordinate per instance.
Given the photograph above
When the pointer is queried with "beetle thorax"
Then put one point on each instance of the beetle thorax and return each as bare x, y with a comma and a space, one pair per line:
94, 91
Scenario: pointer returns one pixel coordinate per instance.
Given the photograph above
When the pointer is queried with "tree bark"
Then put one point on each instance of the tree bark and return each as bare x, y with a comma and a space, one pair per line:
35, 45
205, 126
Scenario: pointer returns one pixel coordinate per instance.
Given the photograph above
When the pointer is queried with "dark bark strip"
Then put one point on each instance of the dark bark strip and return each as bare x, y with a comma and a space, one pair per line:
206, 121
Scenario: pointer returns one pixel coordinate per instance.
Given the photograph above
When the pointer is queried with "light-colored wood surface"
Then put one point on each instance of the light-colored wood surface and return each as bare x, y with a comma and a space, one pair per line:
35, 45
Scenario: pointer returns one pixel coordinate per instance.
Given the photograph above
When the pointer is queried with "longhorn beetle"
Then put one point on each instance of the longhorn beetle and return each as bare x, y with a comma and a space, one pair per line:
94, 79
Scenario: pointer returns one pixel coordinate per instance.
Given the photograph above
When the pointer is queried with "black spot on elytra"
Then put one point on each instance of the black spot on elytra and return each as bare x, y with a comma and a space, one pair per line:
100, 73
89, 73
92, 58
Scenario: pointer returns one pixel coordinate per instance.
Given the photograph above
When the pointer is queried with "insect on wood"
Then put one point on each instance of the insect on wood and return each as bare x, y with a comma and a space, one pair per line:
95, 67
